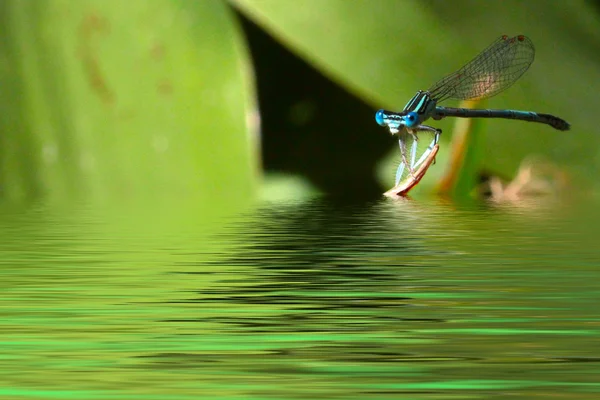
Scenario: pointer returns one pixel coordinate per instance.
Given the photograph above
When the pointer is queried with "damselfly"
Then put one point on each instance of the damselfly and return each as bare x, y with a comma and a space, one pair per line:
495, 69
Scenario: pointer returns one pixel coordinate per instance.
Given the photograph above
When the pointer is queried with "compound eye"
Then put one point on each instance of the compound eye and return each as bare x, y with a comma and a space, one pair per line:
380, 117
411, 119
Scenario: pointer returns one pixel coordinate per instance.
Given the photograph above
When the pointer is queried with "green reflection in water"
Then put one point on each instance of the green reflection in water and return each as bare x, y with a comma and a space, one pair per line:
301, 300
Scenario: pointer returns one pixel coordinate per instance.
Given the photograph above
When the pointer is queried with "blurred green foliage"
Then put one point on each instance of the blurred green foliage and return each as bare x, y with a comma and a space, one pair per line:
113, 100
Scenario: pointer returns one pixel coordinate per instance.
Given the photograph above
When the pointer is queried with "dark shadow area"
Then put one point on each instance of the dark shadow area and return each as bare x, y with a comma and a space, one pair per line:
310, 125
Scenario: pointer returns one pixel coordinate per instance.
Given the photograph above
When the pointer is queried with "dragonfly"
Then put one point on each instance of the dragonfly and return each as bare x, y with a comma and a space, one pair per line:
492, 71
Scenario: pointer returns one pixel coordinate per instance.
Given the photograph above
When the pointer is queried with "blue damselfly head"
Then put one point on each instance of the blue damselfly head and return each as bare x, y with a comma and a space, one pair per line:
395, 122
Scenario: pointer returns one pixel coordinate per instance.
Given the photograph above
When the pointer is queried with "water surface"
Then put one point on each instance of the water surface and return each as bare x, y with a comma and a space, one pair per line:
315, 299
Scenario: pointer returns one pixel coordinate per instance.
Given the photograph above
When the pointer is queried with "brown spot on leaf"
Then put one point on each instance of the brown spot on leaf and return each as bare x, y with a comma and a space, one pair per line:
92, 26
93, 23
165, 87
126, 114
157, 51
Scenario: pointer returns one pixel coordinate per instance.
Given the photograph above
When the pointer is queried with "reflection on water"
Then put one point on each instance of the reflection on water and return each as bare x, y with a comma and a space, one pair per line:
319, 299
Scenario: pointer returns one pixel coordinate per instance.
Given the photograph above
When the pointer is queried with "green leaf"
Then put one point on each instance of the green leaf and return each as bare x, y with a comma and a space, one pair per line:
125, 100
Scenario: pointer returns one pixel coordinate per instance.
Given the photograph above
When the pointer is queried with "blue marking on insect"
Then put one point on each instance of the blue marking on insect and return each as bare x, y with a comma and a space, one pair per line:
411, 101
411, 119
419, 108
380, 117
525, 113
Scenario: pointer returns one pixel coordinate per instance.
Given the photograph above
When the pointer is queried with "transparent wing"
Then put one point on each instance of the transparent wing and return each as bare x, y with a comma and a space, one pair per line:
413, 154
495, 69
